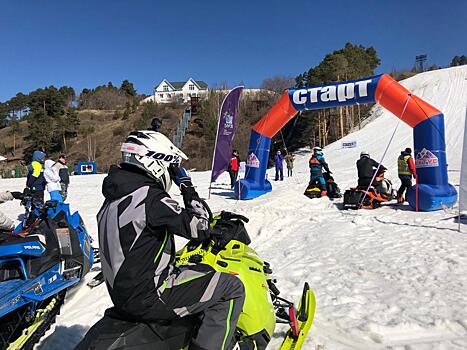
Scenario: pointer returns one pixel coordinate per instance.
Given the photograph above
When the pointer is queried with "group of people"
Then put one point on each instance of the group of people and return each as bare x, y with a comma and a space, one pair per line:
43, 174
234, 166
279, 164
47, 174
368, 169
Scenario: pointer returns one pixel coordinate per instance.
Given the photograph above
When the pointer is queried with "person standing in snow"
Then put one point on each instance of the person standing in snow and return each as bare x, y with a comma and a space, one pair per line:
317, 163
136, 226
279, 165
366, 168
62, 169
6, 224
35, 180
234, 166
405, 169
289, 159
53, 181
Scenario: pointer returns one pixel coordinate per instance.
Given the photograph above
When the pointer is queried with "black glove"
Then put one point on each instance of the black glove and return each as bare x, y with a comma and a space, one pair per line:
180, 177
17, 195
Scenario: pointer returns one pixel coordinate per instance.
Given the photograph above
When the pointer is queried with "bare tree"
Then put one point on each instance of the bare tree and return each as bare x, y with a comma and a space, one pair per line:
278, 83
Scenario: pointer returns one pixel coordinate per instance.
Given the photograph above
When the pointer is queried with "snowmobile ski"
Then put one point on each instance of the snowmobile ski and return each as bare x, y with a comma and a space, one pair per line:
97, 280
45, 317
305, 315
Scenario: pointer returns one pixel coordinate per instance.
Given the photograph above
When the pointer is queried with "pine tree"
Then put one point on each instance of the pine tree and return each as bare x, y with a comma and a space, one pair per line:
128, 88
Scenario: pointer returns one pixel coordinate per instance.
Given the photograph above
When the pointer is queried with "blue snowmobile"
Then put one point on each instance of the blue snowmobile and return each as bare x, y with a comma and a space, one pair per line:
47, 253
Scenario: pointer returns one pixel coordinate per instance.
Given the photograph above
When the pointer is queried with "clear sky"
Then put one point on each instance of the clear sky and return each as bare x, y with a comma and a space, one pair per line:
85, 43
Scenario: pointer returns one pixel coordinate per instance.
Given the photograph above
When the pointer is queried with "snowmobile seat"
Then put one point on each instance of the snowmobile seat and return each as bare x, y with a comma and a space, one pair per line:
114, 331
313, 192
11, 238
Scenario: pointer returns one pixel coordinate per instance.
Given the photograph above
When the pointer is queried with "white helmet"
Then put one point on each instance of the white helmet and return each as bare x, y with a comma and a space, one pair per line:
364, 154
152, 152
317, 150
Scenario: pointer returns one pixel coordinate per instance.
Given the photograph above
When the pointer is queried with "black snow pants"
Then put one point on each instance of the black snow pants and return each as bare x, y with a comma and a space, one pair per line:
406, 183
233, 177
198, 289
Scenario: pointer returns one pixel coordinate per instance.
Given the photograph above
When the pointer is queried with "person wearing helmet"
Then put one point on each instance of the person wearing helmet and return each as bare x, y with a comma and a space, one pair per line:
405, 169
366, 168
136, 227
35, 179
317, 163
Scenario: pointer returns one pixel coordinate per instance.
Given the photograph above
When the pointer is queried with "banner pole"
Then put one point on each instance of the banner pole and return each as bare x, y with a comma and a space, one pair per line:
239, 187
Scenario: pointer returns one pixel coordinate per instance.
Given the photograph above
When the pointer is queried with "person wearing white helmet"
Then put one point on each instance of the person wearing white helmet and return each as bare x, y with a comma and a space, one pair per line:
366, 168
317, 163
136, 226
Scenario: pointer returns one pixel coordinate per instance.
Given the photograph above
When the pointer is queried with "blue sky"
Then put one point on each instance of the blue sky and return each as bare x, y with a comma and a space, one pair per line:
86, 43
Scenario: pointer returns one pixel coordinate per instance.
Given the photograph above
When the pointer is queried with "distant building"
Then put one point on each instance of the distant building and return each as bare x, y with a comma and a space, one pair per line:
178, 91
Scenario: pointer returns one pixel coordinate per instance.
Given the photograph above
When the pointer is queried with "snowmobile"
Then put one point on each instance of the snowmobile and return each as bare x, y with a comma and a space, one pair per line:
226, 252
314, 189
47, 253
372, 197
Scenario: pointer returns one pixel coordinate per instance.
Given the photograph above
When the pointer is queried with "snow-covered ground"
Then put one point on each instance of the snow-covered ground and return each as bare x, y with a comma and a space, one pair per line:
386, 278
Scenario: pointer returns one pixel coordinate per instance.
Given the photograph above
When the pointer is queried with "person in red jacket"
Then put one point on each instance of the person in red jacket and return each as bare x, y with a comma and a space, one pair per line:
234, 166
405, 169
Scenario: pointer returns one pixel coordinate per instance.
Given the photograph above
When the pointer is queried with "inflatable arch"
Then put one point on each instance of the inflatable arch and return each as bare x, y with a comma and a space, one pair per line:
427, 122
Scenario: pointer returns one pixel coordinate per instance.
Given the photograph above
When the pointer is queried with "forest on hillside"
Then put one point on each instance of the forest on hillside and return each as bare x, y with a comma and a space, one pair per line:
90, 126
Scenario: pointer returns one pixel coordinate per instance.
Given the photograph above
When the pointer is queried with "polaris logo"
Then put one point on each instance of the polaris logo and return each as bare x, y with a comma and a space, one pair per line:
340, 92
35, 247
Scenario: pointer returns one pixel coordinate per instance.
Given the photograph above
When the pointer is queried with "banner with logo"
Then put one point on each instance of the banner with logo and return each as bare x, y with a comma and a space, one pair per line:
225, 132
349, 144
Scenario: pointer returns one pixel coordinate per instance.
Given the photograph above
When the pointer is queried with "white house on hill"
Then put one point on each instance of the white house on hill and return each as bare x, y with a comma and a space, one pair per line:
178, 91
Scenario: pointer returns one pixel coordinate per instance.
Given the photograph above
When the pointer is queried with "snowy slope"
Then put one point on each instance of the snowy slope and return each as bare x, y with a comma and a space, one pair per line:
388, 278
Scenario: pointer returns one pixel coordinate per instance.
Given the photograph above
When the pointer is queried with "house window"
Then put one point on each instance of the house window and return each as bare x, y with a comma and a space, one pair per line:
166, 88
161, 95
191, 87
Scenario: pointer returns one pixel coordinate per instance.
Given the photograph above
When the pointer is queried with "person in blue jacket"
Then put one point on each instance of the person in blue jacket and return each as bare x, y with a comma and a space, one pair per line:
35, 180
279, 165
317, 164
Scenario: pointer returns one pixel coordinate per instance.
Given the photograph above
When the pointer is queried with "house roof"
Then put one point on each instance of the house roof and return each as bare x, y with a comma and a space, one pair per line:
178, 85
201, 84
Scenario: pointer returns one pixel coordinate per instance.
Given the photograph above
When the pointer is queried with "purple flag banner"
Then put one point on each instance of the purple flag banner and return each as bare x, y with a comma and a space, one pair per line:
225, 132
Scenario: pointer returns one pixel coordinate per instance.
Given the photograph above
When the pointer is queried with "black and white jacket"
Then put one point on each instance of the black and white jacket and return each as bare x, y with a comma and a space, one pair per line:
136, 225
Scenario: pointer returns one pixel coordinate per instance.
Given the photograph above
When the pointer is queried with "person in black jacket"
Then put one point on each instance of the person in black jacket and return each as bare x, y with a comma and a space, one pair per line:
136, 226
35, 180
366, 167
